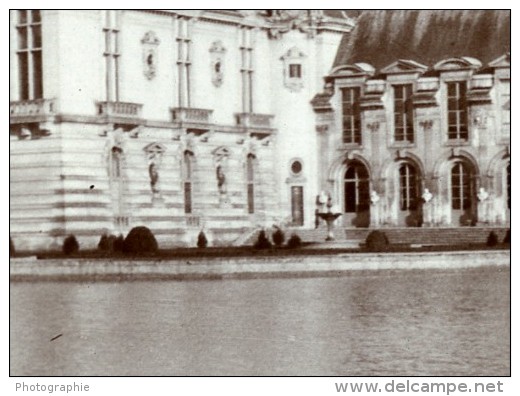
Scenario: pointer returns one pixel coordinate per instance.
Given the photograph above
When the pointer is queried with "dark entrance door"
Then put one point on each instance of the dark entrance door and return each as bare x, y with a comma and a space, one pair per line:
462, 191
357, 196
409, 210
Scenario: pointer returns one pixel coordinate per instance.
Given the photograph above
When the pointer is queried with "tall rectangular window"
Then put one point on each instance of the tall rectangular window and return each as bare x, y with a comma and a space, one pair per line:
183, 61
351, 112
111, 54
187, 176
29, 31
457, 111
403, 113
250, 184
247, 68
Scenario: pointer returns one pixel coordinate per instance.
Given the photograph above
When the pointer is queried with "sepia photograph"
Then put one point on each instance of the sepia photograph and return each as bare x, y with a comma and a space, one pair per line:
246, 193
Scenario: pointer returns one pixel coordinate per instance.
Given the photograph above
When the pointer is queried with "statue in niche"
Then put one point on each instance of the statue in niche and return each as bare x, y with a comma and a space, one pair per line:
221, 180
154, 178
217, 53
150, 43
154, 153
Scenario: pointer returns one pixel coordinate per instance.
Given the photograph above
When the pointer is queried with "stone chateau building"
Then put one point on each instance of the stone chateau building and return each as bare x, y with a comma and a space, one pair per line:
229, 120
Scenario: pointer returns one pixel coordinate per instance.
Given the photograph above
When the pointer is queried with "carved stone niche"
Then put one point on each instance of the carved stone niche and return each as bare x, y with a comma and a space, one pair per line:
217, 52
150, 43
220, 159
293, 69
154, 153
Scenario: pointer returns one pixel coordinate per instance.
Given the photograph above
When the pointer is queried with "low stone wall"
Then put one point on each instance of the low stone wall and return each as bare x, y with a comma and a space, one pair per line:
27, 269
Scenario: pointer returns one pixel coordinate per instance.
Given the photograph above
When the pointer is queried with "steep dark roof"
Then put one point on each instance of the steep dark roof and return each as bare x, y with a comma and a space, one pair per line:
426, 36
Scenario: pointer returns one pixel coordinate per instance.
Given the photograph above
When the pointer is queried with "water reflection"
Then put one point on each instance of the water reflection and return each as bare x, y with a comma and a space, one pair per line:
376, 323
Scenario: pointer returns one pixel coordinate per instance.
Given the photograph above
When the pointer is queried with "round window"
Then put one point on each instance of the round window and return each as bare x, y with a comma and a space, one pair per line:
296, 167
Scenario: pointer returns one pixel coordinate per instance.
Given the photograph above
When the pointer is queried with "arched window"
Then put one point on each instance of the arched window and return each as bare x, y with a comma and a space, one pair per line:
187, 177
460, 186
250, 183
408, 187
356, 188
116, 155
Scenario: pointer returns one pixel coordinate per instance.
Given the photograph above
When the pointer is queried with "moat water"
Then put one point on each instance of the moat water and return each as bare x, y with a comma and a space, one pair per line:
407, 322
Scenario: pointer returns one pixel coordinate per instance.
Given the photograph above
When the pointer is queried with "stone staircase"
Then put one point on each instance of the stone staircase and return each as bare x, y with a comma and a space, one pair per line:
399, 236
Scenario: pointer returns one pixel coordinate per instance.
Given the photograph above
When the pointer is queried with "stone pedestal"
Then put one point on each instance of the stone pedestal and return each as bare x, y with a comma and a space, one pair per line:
157, 201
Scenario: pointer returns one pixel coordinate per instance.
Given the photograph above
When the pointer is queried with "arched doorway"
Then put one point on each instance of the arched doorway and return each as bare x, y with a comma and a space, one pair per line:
462, 190
356, 195
409, 213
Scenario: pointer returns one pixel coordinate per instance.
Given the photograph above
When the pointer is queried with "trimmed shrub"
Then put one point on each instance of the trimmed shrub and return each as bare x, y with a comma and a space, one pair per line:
140, 240
107, 242
278, 237
294, 242
118, 243
70, 245
202, 241
262, 242
492, 239
104, 243
12, 250
507, 238
377, 241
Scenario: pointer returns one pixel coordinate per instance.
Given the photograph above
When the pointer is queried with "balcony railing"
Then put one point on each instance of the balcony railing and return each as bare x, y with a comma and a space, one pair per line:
29, 108
119, 109
191, 115
253, 120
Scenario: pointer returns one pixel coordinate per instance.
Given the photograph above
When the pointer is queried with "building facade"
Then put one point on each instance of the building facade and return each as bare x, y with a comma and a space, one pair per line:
227, 121
407, 144
176, 120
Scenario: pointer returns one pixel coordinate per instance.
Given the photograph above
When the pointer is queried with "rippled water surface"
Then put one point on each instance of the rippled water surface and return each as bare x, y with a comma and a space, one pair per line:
454, 322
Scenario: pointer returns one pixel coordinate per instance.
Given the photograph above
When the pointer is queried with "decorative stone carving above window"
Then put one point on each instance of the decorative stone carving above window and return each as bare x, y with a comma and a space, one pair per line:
293, 69
462, 63
150, 59
154, 152
217, 52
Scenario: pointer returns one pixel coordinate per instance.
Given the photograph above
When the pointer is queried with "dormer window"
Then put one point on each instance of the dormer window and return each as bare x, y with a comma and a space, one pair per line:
456, 72
403, 113
457, 110
351, 114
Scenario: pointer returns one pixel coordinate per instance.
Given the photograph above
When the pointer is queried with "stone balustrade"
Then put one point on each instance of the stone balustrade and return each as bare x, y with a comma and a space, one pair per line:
253, 120
119, 109
35, 107
191, 115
